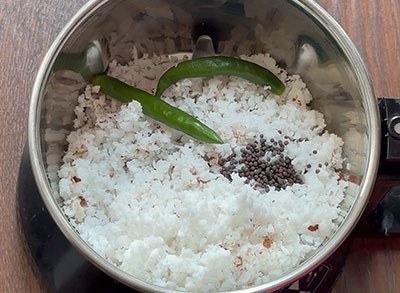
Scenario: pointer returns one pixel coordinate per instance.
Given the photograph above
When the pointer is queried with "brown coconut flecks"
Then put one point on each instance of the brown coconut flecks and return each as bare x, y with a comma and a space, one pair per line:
276, 170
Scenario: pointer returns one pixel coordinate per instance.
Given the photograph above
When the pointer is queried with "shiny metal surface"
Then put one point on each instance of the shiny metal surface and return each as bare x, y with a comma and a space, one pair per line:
91, 61
203, 47
301, 36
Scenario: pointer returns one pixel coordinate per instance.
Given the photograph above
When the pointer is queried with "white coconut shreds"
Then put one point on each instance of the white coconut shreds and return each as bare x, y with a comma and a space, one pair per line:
145, 198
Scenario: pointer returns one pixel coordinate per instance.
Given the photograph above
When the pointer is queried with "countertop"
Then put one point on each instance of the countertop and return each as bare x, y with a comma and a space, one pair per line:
27, 29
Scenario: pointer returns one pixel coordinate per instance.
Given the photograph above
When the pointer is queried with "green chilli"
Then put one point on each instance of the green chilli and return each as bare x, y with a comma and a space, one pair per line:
157, 109
220, 65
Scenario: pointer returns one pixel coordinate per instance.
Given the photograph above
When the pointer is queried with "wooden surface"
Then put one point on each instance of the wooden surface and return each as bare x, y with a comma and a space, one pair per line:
27, 29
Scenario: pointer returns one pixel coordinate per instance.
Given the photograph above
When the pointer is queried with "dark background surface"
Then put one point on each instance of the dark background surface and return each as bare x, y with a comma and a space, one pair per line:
27, 29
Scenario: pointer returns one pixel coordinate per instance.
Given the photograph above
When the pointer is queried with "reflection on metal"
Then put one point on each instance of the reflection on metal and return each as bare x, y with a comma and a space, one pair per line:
327, 75
93, 60
203, 47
